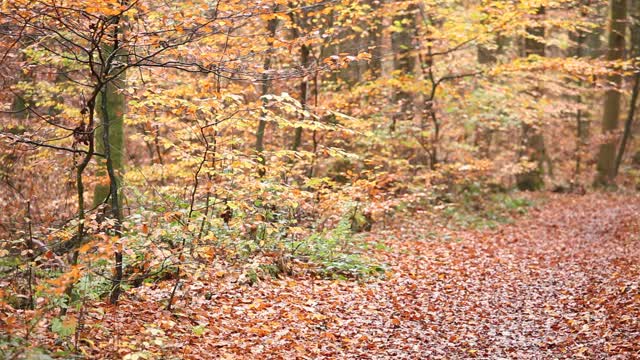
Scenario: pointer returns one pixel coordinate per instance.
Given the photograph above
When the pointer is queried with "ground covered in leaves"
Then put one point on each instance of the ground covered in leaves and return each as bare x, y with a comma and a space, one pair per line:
560, 282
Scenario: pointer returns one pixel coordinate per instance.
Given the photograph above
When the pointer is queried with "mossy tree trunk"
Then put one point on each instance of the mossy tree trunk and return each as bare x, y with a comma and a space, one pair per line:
113, 118
109, 139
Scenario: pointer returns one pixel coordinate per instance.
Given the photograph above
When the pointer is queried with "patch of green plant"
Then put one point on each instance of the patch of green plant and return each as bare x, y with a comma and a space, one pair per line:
63, 327
338, 253
91, 287
479, 208
17, 348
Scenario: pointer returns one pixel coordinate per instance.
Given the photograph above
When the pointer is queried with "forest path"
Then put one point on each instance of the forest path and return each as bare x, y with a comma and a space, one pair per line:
561, 282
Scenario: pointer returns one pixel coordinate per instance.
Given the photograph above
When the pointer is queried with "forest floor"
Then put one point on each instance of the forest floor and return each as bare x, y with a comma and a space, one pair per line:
562, 281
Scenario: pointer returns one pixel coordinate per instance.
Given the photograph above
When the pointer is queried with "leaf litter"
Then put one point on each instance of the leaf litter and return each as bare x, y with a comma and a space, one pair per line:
560, 282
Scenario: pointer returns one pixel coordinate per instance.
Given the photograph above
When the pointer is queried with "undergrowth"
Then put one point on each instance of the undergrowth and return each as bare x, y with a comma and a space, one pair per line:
478, 208
339, 253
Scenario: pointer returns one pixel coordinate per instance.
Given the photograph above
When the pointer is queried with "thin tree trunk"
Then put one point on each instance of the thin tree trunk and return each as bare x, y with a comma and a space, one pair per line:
579, 36
629, 122
300, 22
304, 91
607, 153
112, 108
634, 53
116, 212
533, 140
115, 112
266, 83
111, 142
404, 62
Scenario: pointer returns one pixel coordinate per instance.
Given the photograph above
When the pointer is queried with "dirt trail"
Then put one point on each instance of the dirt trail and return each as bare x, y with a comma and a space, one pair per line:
562, 282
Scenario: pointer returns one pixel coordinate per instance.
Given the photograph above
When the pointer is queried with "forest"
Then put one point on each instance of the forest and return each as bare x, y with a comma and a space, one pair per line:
319, 179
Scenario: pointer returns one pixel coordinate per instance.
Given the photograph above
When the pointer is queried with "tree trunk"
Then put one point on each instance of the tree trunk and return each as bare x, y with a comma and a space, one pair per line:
404, 62
634, 52
300, 22
110, 140
579, 38
629, 122
266, 83
304, 92
532, 138
113, 112
610, 118
376, 34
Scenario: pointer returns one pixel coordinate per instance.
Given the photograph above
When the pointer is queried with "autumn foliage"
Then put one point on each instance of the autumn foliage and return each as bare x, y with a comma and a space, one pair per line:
319, 179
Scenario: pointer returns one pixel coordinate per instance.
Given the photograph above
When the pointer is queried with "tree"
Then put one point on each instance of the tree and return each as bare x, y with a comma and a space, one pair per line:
402, 104
88, 44
272, 26
634, 53
611, 113
532, 137
403, 42
112, 122
299, 25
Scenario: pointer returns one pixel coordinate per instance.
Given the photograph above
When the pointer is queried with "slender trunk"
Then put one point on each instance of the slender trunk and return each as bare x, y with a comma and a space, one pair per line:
112, 107
304, 91
404, 63
314, 134
426, 66
88, 134
633, 102
116, 213
607, 153
375, 40
111, 142
266, 83
629, 122
580, 37
579, 137
532, 138
80, 167
305, 52
486, 56
114, 111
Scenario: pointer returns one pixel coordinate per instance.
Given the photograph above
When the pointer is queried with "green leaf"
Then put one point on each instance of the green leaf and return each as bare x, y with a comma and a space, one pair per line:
64, 327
